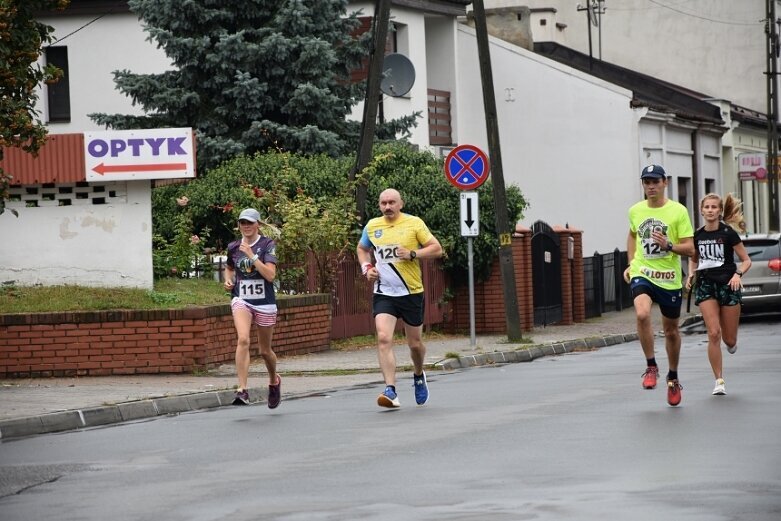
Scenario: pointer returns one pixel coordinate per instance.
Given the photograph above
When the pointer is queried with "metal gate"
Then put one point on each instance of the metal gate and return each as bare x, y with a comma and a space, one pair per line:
546, 274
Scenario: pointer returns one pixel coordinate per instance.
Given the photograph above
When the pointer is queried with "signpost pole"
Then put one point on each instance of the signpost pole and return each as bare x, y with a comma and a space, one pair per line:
470, 255
470, 227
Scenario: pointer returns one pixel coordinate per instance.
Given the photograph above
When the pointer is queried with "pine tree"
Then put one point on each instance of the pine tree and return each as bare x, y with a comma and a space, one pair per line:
249, 75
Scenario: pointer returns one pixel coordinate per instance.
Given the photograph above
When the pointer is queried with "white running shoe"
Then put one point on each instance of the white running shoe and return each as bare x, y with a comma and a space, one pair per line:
719, 390
731, 350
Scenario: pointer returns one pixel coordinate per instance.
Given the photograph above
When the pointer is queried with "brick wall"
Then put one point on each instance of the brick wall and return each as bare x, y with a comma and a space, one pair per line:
490, 316
145, 342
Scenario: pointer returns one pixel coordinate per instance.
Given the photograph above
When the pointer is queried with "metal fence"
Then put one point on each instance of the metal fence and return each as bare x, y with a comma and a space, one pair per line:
603, 277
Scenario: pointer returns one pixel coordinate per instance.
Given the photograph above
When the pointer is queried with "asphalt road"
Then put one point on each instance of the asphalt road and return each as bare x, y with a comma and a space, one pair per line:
564, 437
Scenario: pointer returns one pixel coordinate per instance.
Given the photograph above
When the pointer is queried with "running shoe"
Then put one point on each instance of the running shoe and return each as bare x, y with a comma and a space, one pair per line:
650, 376
731, 349
719, 389
275, 394
241, 397
673, 392
421, 388
388, 398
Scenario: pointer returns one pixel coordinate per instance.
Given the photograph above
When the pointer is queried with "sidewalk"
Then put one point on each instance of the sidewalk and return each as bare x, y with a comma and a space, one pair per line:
36, 406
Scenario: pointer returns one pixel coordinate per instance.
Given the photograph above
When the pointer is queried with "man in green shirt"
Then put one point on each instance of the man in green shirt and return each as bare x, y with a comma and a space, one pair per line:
660, 231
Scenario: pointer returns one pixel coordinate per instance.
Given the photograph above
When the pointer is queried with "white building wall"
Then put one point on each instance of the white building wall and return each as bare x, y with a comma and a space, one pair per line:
568, 140
105, 245
672, 144
411, 42
716, 47
98, 245
110, 43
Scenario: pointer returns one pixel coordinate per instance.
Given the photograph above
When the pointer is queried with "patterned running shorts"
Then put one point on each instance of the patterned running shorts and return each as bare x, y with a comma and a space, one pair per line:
723, 294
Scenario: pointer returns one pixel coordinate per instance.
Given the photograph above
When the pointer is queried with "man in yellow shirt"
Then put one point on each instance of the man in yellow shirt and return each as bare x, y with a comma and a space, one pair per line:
396, 241
660, 231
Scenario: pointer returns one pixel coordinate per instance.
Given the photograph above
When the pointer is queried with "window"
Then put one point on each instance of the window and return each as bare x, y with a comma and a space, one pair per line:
58, 94
683, 191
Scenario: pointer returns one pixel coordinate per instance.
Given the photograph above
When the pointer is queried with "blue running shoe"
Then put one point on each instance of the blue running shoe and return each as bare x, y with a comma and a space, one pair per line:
388, 398
421, 388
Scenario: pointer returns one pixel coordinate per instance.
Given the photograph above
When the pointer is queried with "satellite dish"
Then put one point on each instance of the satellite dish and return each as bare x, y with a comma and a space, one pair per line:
398, 75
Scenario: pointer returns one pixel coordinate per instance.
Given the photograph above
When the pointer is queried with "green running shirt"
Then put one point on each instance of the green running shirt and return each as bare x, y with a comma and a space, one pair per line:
660, 267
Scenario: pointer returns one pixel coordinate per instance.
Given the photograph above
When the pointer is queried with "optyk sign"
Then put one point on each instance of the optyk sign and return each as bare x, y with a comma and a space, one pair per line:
124, 155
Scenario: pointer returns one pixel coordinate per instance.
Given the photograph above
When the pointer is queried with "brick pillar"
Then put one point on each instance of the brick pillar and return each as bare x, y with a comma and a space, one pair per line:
572, 285
522, 262
578, 282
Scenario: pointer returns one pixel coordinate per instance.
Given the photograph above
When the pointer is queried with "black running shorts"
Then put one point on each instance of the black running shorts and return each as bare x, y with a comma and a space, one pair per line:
409, 308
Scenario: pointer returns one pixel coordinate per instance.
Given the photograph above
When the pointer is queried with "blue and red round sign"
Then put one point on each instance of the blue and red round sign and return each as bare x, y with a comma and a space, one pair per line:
466, 167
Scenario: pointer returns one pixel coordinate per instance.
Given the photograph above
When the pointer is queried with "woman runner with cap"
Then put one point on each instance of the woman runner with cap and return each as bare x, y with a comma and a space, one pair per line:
249, 276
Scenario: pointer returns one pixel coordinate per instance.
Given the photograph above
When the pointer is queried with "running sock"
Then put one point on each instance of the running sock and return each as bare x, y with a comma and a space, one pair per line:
651, 361
672, 375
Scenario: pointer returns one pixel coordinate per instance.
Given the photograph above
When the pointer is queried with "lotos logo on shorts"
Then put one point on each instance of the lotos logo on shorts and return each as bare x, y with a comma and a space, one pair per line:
658, 274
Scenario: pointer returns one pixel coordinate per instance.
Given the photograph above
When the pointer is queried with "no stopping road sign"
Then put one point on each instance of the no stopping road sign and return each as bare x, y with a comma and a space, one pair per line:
466, 167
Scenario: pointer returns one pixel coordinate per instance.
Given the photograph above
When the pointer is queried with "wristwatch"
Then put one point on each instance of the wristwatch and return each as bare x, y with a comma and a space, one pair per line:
738, 273
669, 246
412, 254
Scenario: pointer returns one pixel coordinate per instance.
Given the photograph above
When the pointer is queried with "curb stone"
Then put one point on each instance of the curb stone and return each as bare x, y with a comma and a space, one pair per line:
119, 413
532, 352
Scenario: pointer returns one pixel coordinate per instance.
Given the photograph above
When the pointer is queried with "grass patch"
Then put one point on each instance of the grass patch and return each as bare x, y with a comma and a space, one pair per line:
166, 294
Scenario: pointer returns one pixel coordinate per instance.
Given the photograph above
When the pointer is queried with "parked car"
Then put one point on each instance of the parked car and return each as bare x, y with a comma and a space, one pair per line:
762, 283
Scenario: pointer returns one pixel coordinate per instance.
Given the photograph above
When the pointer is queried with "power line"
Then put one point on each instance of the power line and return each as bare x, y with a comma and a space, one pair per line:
82, 27
686, 13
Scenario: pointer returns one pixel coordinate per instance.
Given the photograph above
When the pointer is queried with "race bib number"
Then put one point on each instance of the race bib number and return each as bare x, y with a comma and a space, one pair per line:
652, 250
387, 254
252, 289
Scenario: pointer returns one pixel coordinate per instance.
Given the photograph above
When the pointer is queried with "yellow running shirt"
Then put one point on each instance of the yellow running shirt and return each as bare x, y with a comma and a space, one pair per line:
397, 276
662, 268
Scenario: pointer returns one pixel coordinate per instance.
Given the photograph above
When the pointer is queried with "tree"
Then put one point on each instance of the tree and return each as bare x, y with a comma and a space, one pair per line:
249, 76
21, 41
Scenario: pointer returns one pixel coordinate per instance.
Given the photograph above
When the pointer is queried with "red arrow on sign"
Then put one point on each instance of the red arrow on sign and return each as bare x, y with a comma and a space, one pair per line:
162, 167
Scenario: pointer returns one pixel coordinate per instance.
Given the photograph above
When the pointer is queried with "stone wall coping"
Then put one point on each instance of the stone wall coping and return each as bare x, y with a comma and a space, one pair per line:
132, 315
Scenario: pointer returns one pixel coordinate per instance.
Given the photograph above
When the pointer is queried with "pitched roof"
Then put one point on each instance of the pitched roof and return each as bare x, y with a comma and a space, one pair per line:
647, 90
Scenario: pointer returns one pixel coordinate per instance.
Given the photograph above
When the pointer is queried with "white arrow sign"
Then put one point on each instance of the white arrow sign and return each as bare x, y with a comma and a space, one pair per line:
470, 215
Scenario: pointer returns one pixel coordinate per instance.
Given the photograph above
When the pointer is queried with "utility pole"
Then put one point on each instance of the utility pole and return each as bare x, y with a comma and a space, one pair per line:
497, 176
588, 27
369, 123
771, 30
